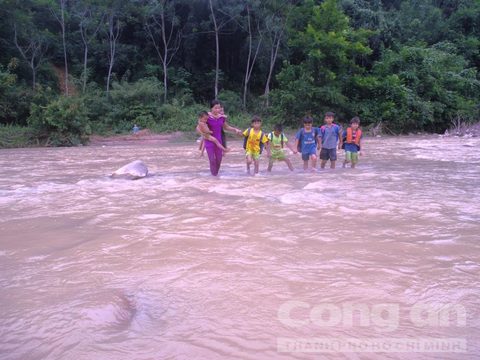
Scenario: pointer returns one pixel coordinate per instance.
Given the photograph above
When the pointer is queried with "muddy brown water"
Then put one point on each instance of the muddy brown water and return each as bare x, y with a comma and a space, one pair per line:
181, 265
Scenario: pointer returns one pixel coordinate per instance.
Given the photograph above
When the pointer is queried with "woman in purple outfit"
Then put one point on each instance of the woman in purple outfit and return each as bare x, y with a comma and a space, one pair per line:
216, 122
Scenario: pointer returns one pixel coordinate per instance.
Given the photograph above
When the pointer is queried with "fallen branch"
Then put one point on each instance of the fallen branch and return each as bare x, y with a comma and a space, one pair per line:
461, 127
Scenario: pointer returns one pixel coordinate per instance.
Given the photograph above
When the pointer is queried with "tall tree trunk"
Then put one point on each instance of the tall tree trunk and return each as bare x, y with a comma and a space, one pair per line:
165, 57
169, 42
165, 82
62, 7
245, 82
34, 51
34, 76
85, 17
110, 65
83, 33
273, 58
61, 21
217, 48
85, 58
113, 34
250, 62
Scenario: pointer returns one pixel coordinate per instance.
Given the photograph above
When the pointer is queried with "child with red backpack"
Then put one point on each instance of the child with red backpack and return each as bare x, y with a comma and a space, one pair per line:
352, 137
330, 134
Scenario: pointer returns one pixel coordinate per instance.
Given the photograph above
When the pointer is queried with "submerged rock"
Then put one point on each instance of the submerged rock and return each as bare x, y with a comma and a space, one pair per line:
134, 170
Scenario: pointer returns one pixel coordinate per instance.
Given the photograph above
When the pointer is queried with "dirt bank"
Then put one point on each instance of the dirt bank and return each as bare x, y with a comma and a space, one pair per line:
141, 138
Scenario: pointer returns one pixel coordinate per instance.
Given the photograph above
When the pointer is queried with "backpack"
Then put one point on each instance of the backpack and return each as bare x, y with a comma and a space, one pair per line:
270, 138
322, 129
315, 134
338, 127
349, 133
245, 140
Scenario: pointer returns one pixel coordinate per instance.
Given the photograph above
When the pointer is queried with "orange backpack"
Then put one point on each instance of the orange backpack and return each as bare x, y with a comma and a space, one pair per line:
351, 139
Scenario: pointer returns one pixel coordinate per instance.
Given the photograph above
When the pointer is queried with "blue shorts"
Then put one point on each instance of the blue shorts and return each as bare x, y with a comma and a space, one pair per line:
306, 156
328, 154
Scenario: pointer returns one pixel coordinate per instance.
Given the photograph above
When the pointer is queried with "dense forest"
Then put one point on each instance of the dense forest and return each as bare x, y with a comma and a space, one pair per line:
69, 68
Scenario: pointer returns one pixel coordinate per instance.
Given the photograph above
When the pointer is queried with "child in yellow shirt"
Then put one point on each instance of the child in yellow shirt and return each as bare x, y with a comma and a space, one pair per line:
254, 141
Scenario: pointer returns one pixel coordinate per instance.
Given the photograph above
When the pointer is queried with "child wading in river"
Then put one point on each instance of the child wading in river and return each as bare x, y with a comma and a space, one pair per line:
277, 140
254, 141
205, 132
306, 143
352, 137
330, 135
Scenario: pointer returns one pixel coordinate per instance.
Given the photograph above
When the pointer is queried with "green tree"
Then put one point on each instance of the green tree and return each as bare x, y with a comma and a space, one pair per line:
275, 15
327, 52
15, 98
30, 39
163, 28
90, 16
62, 122
419, 88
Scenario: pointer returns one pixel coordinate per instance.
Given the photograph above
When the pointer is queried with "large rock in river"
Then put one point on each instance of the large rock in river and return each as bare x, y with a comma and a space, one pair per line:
134, 170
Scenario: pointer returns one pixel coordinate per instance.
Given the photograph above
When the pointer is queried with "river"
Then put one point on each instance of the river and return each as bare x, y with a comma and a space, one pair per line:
378, 262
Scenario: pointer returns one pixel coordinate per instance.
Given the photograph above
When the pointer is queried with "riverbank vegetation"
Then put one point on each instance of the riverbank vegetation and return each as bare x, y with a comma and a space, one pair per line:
69, 69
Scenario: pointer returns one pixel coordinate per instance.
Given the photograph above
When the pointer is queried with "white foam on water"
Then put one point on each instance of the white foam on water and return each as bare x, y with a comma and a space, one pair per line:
152, 216
376, 211
304, 198
349, 210
430, 214
85, 182
284, 239
468, 266
447, 149
195, 220
102, 218
17, 186
108, 249
237, 192
36, 258
442, 241
316, 185
169, 183
444, 258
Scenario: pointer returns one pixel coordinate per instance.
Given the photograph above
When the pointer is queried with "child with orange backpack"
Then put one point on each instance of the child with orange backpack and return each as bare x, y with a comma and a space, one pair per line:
351, 139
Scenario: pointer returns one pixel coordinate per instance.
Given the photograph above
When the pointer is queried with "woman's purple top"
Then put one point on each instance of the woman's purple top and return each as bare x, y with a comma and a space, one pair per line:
215, 125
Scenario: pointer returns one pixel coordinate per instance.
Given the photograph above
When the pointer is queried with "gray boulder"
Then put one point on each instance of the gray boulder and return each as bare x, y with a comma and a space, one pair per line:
134, 170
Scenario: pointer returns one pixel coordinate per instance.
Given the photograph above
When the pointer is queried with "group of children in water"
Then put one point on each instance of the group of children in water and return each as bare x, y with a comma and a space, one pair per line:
308, 140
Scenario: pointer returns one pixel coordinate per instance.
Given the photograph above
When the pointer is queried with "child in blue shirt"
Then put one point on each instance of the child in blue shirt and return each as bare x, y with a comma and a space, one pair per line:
330, 135
306, 143
135, 129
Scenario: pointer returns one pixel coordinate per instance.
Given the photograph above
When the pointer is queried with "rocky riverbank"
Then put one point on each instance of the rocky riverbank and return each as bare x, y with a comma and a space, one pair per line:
464, 129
